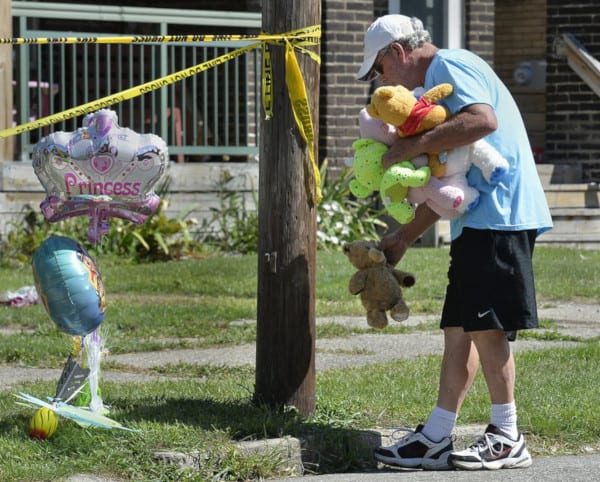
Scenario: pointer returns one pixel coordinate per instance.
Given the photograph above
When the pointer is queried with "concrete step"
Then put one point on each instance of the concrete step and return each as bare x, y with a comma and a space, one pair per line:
576, 227
576, 220
573, 195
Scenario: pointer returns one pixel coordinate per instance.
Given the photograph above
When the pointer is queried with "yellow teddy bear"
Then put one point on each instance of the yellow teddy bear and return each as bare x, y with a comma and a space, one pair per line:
396, 105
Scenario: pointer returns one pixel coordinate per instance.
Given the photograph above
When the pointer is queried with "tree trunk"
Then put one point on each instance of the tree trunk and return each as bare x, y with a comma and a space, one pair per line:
285, 345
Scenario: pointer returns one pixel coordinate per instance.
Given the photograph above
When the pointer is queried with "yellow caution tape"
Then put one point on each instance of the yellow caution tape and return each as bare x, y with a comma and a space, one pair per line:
310, 34
267, 82
301, 110
125, 94
295, 39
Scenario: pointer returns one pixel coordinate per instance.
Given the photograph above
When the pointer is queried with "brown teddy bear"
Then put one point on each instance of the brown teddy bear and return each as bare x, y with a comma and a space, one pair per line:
379, 285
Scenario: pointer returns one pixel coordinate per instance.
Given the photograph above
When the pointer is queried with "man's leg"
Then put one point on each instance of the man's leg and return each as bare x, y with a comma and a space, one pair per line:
501, 446
459, 367
430, 451
497, 363
498, 367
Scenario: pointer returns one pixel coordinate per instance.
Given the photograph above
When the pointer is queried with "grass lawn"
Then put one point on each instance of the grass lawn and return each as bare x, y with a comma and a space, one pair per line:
195, 303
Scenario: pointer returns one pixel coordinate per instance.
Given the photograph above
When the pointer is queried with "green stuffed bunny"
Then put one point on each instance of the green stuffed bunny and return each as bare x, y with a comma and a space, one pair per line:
392, 184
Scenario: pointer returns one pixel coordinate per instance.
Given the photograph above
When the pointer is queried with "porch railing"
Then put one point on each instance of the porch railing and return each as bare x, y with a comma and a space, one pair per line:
212, 115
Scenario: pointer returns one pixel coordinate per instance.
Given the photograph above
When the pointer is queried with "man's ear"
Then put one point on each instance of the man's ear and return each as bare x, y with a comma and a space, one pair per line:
399, 51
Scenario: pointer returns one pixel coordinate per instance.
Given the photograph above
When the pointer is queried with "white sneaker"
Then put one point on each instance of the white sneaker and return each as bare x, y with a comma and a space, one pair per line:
417, 451
493, 450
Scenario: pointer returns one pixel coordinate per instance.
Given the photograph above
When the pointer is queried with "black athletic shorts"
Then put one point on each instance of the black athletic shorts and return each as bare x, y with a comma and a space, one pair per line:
490, 282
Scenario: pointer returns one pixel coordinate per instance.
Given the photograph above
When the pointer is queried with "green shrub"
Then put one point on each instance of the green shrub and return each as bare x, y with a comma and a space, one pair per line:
158, 239
233, 226
26, 235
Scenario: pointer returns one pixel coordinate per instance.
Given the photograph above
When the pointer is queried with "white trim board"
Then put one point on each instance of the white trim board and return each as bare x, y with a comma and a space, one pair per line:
586, 66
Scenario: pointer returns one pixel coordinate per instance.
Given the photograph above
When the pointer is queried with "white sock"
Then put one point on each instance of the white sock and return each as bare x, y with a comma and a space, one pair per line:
504, 416
439, 425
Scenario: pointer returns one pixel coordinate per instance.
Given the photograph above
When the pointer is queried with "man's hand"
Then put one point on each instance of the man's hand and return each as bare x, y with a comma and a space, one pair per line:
394, 246
403, 149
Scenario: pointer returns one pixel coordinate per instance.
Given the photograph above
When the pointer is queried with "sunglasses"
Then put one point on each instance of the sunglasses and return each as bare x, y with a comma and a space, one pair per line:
377, 68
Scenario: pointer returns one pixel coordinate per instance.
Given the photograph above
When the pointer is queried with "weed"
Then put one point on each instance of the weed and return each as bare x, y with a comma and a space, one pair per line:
233, 226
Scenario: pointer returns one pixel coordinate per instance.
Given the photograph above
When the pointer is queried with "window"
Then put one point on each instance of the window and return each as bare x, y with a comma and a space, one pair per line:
443, 18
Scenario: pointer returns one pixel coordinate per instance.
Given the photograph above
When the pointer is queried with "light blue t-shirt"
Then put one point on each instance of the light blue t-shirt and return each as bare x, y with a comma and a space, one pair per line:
518, 202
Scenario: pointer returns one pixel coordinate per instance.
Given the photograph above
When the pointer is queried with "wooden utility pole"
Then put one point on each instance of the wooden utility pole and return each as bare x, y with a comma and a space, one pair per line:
285, 345
6, 144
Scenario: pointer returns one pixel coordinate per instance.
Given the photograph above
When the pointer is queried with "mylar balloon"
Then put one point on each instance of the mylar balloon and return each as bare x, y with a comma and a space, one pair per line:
69, 285
101, 170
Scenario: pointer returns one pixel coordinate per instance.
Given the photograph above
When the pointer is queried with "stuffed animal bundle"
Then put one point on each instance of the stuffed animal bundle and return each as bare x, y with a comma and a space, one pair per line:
449, 196
379, 286
397, 106
395, 109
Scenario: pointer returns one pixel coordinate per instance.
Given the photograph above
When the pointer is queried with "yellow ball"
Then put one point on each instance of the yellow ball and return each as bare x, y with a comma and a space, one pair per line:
43, 424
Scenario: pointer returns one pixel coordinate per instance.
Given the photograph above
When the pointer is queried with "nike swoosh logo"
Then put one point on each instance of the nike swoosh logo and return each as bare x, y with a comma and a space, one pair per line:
481, 315
500, 455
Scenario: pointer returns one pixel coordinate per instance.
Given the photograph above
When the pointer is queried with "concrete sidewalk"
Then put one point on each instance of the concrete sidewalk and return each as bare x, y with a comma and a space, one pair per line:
544, 469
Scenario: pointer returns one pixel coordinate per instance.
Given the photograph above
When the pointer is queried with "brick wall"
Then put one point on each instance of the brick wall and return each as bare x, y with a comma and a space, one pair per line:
344, 24
479, 28
573, 109
520, 35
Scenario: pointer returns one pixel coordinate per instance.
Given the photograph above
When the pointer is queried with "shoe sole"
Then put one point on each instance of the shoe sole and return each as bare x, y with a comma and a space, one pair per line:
443, 463
406, 463
510, 463
425, 464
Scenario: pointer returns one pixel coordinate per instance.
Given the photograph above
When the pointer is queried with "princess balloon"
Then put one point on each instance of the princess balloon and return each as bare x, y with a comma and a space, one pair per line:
101, 170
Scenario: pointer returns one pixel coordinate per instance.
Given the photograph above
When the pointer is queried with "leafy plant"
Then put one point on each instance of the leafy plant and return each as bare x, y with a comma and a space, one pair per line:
26, 235
160, 238
342, 218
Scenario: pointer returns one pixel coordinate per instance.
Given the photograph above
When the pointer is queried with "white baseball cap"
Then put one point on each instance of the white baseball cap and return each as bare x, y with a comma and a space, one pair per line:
380, 34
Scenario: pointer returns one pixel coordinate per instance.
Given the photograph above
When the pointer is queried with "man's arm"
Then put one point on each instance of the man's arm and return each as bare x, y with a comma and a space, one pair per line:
394, 245
469, 125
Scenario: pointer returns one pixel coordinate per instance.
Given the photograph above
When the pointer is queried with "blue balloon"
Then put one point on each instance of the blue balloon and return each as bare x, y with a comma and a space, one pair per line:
69, 285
